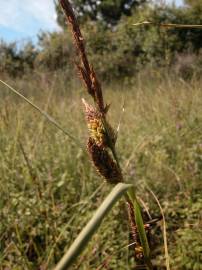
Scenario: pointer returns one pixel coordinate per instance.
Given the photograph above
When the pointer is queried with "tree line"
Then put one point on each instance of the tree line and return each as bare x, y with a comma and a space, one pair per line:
116, 47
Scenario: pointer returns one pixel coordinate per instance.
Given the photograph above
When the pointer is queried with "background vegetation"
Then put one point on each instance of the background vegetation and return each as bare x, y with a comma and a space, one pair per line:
49, 189
116, 47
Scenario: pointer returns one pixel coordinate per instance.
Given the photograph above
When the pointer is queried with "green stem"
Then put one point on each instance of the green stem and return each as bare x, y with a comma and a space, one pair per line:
140, 227
131, 197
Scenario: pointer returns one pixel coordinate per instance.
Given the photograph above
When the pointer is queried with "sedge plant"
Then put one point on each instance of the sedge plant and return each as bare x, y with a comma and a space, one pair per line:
101, 148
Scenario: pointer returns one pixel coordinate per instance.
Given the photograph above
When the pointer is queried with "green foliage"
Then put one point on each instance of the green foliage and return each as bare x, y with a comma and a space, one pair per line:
16, 61
194, 3
28, 55
120, 51
127, 49
107, 11
188, 244
55, 51
188, 238
47, 184
159, 143
10, 62
91, 227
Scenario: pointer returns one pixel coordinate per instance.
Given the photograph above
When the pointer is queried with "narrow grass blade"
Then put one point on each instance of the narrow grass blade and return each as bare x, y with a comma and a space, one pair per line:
64, 228
140, 227
86, 234
47, 116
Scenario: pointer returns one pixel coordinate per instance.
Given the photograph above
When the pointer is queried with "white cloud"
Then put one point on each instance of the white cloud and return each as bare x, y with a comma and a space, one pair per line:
22, 15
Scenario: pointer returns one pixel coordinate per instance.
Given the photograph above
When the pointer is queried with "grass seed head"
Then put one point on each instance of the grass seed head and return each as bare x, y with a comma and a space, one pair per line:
104, 163
96, 128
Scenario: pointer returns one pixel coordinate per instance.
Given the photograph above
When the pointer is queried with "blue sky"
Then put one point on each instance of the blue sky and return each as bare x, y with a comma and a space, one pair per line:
23, 19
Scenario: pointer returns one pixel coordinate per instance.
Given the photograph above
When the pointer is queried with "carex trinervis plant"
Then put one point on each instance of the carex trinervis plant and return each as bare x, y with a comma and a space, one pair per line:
102, 141
102, 136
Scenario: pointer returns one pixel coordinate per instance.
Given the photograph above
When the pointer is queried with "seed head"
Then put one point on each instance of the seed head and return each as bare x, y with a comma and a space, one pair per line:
101, 134
104, 163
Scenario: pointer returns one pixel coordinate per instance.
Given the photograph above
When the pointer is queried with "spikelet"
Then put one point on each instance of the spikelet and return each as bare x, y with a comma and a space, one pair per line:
104, 163
100, 133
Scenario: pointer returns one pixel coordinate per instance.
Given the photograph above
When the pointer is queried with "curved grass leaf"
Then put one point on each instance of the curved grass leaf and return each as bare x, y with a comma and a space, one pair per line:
86, 234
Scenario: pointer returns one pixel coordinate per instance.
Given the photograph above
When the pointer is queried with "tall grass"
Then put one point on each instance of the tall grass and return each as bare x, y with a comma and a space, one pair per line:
159, 145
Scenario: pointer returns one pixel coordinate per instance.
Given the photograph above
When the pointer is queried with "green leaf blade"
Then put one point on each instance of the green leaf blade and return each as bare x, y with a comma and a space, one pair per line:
86, 234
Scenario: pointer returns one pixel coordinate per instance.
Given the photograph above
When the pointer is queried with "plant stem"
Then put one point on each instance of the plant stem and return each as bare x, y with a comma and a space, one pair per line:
140, 226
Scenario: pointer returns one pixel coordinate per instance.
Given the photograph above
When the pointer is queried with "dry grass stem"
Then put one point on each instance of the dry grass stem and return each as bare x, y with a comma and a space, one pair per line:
170, 25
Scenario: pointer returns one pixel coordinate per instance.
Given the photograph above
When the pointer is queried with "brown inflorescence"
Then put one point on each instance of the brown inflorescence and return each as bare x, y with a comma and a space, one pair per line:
104, 163
103, 135
85, 69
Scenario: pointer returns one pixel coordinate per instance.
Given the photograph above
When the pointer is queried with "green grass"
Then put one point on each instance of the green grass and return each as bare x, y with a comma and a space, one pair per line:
49, 190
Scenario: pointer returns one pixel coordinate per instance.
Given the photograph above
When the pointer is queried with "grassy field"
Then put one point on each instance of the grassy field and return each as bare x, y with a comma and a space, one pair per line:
49, 189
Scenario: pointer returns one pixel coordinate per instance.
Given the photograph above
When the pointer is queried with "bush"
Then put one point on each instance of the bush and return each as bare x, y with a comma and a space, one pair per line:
55, 51
14, 61
188, 65
118, 51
